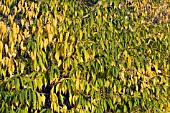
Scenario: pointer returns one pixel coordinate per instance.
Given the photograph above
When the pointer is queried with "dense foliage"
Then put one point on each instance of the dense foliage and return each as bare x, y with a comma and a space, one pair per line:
84, 56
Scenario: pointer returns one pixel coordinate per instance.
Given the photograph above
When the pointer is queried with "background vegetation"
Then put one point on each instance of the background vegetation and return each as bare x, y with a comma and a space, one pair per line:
84, 56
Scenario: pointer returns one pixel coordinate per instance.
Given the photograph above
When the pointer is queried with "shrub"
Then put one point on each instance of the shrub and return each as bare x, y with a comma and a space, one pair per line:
69, 56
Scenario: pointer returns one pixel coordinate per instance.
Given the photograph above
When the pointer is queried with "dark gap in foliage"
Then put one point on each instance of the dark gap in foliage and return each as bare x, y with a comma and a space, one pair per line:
89, 3
46, 91
66, 100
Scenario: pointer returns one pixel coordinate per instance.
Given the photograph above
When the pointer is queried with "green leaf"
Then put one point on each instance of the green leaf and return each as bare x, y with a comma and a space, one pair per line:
61, 97
22, 67
39, 102
99, 110
109, 101
69, 85
17, 84
35, 84
136, 94
105, 104
23, 97
124, 108
12, 111
34, 100
40, 83
43, 111
130, 104
25, 110
157, 90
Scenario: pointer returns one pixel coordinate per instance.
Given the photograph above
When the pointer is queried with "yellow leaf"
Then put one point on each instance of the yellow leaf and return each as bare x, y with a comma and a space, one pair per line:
6, 48
57, 55
69, 22
22, 22
118, 99
61, 37
93, 108
1, 48
32, 5
129, 61
48, 28
60, 29
33, 55
148, 70
81, 34
114, 88
54, 22
105, 18
156, 67
43, 99
72, 39
114, 100
144, 2
82, 86
99, 12
55, 106
65, 48
77, 84
3, 27
22, 47
12, 47
50, 37
113, 63
70, 98
11, 18
17, 29
25, 33
45, 43
15, 10
43, 67
135, 79
14, 28
102, 44
52, 95
19, 38
105, 5
22, 67
59, 63
70, 51
57, 88
33, 29
88, 88
125, 53
107, 83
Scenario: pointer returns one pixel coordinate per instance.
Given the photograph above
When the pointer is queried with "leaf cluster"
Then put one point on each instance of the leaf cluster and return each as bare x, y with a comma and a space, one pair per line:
69, 56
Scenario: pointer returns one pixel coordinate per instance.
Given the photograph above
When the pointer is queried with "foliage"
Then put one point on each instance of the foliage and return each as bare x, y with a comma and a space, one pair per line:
69, 56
